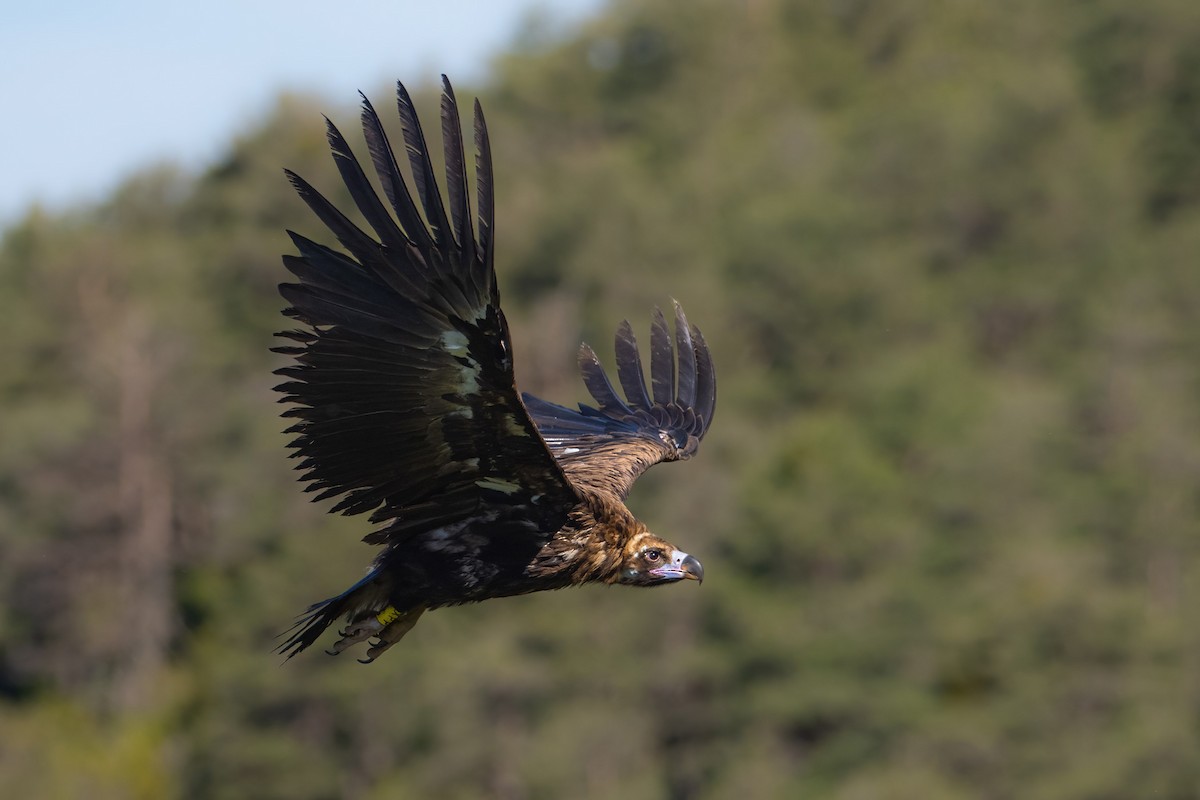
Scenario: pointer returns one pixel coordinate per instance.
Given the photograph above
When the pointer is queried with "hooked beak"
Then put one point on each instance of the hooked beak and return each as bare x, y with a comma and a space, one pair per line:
682, 566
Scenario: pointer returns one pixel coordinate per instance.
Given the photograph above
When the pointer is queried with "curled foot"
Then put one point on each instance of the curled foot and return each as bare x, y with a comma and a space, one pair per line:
354, 633
387, 627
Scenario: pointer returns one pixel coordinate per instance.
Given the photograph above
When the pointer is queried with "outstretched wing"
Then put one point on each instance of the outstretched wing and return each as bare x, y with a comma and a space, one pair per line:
403, 382
609, 447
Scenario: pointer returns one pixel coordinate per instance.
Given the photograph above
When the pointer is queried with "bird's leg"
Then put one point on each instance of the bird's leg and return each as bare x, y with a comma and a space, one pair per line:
399, 623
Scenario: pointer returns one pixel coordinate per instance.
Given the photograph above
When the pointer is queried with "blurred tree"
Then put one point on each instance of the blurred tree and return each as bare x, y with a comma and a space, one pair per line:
945, 256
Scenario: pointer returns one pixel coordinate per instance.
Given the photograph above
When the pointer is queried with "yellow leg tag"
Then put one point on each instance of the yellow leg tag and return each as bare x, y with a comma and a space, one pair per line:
388, 616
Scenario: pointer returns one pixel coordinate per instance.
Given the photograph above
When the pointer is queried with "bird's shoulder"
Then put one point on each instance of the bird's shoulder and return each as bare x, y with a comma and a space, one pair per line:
592, 543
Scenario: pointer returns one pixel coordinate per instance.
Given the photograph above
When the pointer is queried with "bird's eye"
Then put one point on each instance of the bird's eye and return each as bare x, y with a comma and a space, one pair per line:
653, 555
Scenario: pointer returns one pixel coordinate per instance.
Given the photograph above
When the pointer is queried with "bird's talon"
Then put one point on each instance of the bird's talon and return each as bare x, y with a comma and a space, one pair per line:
355, 632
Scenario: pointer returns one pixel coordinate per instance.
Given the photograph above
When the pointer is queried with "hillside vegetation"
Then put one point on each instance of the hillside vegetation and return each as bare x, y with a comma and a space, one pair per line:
945, 254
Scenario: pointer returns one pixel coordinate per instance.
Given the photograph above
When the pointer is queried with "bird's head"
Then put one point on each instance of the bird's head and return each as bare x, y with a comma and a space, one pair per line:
650, 561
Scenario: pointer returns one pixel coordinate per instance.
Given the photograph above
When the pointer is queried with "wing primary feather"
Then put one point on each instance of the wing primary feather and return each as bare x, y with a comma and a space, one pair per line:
361, 190
456, 172
685, 390
323, 266
335, 278
332, 281
629, 367
598, 384
338, 309
662, 360
422, 169
391, 178
363, 247
706, 381
484, 199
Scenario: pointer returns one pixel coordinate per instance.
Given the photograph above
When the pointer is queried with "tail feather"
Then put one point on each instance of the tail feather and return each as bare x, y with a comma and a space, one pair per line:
309, 626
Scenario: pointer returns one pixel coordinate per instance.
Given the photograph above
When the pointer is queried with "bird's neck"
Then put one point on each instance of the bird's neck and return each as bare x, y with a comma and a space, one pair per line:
590, 547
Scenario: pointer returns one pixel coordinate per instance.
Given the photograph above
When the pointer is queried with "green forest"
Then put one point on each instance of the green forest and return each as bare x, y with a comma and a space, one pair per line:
945, 255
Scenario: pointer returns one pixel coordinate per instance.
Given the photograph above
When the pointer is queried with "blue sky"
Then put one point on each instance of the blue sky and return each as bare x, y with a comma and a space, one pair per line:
92, 91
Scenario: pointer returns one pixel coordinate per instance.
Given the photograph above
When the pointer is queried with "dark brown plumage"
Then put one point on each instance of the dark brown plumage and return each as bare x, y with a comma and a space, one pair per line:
403, 390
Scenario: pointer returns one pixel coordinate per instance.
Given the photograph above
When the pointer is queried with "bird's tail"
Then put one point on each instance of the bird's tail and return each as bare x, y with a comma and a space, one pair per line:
361, 602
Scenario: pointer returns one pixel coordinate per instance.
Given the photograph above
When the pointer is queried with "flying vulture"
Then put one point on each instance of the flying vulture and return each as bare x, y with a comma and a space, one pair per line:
405, 405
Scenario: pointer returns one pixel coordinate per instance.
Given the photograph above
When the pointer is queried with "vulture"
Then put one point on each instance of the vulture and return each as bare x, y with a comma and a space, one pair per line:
400, 384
